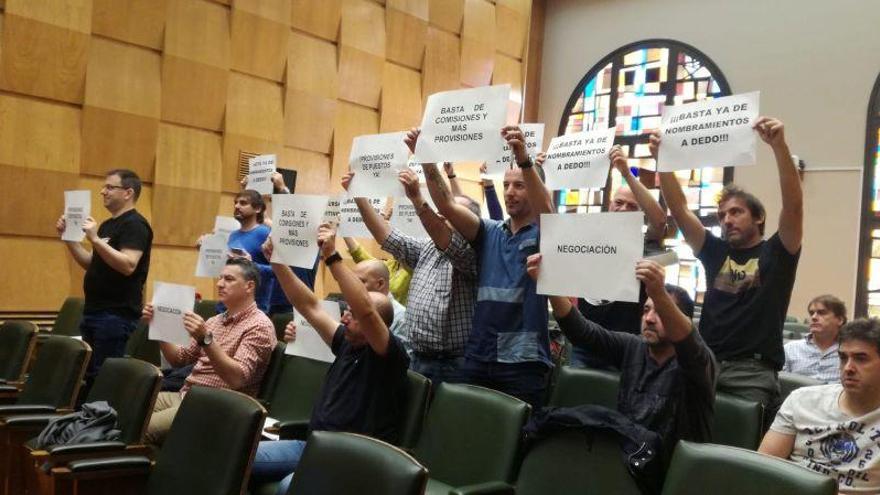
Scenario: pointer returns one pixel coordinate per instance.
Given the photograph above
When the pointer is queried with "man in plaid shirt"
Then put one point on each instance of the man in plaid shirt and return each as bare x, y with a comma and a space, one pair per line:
230, 350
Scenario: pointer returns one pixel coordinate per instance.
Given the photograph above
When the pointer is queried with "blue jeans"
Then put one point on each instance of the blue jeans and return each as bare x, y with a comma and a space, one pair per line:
276, 460
525, 381
438, 370
107, 333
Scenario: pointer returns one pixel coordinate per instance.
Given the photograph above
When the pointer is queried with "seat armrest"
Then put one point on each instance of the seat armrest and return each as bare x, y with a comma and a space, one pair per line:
31, 420
109, 464
487, 488
8, 388
16, 409
83, 448
293, 430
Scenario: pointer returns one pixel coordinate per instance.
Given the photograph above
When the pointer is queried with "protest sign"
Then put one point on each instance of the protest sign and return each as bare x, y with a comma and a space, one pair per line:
406, 219
534, 134
309, 343
709, 133
295, 221
212, 255
331, 213
463, 125
579, 160
260, 170
77, 207
591, 255
225, 225
375, 161
351, 224
170, 302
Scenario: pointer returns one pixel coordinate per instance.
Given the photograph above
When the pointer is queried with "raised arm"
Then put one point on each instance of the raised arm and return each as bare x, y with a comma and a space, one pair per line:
652, 209
434, 225
678, 326
539, 196
355, 293
687, 221
454, 186
376, 224
123, 260
81, 255
791, 218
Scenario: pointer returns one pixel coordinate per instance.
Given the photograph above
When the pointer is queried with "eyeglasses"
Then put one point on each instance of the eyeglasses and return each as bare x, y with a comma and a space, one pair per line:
110, 187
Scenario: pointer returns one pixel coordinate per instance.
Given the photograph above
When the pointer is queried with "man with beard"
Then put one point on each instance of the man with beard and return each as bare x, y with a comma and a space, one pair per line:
246, 242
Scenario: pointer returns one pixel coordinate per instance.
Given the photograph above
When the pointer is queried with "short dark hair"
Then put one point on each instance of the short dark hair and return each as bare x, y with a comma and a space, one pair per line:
256, 200
128, 179
249, 270
471, 204
863, 329
682, 299
756, 208
833, 303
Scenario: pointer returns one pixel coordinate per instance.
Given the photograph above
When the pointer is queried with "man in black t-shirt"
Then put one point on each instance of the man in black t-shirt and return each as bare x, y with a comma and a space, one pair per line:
116, 269
365, 386
748, 280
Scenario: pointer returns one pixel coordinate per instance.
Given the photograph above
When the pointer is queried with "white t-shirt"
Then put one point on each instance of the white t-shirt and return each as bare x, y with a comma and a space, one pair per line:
829, 441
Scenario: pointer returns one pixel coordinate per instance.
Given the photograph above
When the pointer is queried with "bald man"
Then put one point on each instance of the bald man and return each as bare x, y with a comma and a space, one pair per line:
375, 276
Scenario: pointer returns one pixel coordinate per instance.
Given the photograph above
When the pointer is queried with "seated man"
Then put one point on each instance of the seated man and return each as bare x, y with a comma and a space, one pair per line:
668, 380
366, 384
815, 355
833, 429
230, 350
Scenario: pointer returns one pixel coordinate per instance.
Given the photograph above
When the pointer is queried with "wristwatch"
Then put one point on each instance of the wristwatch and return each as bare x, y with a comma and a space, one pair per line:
333, 258
207, 340
526, 164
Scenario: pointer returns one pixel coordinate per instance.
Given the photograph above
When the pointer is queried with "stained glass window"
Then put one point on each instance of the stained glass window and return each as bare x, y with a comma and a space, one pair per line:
628, 89
868, 283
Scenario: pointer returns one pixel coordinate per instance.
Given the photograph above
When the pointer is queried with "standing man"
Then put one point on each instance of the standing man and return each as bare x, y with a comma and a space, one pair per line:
246, 242
815, 355
509, 347
116, 269
749, 279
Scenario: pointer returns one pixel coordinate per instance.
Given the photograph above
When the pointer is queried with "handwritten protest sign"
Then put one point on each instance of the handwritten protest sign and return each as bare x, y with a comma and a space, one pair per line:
212, 255
260, 170
77, 207
579, 159
375, 161
309, 343
534, 134
463, 125
351, 224
295, 221
170, 302
591, 255
709, 133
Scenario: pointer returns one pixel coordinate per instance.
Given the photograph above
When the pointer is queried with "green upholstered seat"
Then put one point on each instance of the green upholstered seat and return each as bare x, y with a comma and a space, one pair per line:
69, 317
737, 422
575, 387
791, 381
17, 339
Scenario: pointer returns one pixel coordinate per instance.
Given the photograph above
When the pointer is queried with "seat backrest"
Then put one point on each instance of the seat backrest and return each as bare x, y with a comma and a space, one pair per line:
139, 345
210, 446
273, 370
57, 372
471, 435
418, 389
720, 470
737, 422
800, 328
69, 317
17, 340
206, 308
792, 381
279, 321
573, 462
130, 386
575, 387
339, 463
297, 388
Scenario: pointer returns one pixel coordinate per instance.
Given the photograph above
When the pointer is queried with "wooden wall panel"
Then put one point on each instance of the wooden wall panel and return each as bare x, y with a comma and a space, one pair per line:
351, 121
75, 15
318, 17
512, 26
415, 8
442, 69
401, 99
22, 212
309, 120
446, 14
254, 108
360, 76
479, 21
274, 10
363, 26
477, 62
259, 45
405, 37
39, 135
193, 93
510, 71
181, 215
177, 265
188, 158
114, 139
141, 22
312, 66
312, 170
38, 274
198, 30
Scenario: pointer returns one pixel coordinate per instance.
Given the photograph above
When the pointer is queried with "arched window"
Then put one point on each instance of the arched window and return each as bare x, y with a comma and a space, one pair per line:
868, 284
628, 89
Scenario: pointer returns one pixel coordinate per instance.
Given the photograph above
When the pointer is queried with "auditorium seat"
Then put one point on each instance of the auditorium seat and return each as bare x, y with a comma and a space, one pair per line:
280, 321
206, 308
471, 436
791, 381
698, 469
69, 317
576, 386
270, 377
737, 422
294, 393
345, 463
139, 345
17, 342
418, 390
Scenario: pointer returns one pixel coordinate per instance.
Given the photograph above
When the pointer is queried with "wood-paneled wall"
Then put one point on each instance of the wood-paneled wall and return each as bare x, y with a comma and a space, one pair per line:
176, 89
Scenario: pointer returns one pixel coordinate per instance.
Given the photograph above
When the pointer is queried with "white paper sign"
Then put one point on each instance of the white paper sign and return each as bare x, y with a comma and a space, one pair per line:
170, 302
309, 343
212, 255
295, 222
331, 213
260, 170
225, 225
463, 125
77, 207
579, 160
405, 218
375, 161
534, 134
351, 224
709, 133
591, 255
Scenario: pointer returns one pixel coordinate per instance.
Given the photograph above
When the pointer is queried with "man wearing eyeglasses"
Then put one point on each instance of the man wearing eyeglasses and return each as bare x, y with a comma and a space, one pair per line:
116, 269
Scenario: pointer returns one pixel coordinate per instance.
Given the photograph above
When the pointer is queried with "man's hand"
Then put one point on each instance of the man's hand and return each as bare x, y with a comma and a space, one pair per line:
346, 180
410, 182
241, 253
654, 143
267, 248
278, 182
60, 225
540, 159
618, 160
290, 332
147, 313
533, 265
412, 137
517, 142
243, 182
326, 240
194, 325
771, 130
652, 275
90, 227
